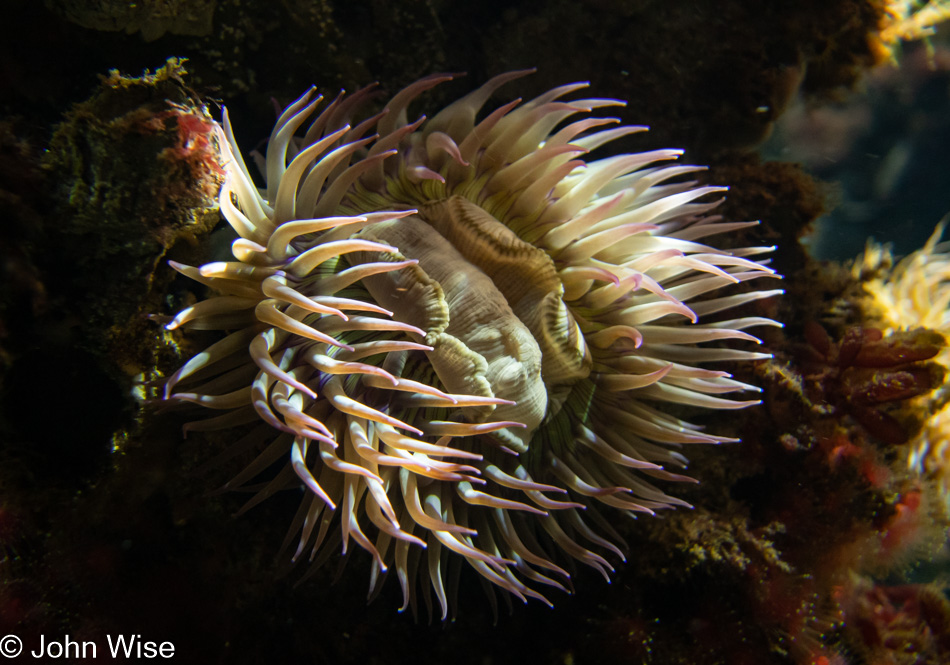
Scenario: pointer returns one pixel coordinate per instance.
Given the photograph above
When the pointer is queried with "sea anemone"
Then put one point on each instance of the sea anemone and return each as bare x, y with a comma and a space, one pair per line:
459, 332
914, 293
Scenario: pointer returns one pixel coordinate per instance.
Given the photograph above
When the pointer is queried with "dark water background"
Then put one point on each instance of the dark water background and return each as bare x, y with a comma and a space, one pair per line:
882, 148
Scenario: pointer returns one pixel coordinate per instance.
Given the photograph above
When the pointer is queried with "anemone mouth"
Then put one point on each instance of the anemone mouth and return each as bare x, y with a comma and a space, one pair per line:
496, 321
459, 332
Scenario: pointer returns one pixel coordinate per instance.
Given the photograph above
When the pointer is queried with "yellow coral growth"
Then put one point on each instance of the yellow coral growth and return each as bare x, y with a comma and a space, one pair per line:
907, 20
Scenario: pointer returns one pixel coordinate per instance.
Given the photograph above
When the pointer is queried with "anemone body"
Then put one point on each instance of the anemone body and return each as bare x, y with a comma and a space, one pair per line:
462, 335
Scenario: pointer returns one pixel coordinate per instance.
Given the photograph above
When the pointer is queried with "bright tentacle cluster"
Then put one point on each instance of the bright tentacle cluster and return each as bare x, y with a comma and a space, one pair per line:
462, 334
